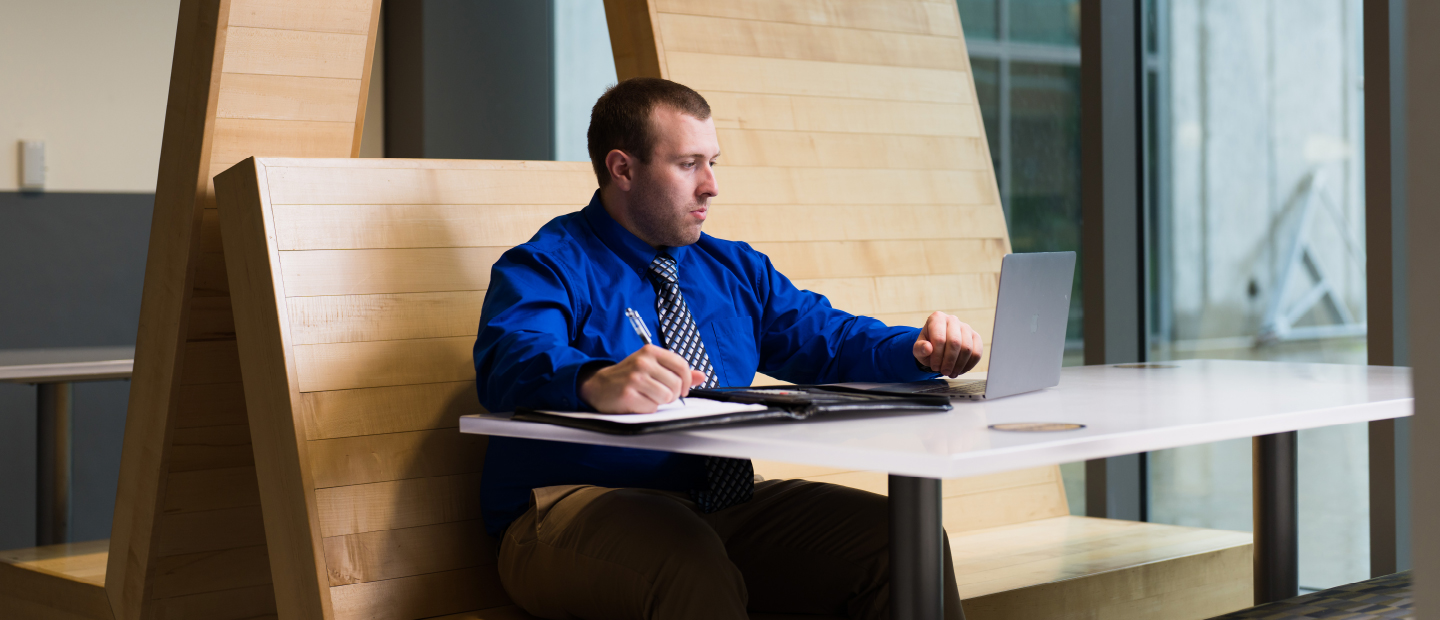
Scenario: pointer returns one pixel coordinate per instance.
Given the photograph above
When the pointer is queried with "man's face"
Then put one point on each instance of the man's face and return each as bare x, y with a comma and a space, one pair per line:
670, 196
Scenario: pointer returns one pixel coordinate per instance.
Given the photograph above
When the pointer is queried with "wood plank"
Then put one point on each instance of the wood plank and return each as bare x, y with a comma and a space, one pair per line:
352, 227
981, 319
210, 447
210, 319
637, 51
348, 413
404, 316
239, 138
797, 149
395, 456
211, 530
211, 489
81, 562
782, 76
286, 97
215, 404
471, 182
965, 513
281, 452
193, 573
878, 482
94, 607
295, 52
769, 39
738, 110
421, 596
252, 603
853, 186
366, 272
790, 222
60, 582
896, 294
884, 15
210, 361
508, 612
391, 554
398, 504
349, 365
348, 16
210, 280
836, 259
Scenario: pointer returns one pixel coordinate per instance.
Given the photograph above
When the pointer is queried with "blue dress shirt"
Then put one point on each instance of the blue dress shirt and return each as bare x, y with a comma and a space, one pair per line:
556, 305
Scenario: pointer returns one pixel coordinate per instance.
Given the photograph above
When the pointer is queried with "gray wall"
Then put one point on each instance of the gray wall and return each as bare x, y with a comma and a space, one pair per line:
73, 267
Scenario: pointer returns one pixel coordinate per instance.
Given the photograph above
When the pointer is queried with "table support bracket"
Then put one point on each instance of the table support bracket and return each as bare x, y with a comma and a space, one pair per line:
1277, 542
917, 552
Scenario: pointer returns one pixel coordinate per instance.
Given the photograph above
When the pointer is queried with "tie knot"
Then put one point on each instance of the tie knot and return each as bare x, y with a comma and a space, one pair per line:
663, 269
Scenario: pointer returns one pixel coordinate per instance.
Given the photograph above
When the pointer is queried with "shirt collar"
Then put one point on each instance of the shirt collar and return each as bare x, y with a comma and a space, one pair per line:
631, 249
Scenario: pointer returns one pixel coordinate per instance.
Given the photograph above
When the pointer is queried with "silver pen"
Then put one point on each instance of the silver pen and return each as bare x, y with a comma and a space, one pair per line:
644, 333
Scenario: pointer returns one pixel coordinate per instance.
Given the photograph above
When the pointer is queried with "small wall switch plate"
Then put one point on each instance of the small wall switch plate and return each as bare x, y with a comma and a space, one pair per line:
32, 165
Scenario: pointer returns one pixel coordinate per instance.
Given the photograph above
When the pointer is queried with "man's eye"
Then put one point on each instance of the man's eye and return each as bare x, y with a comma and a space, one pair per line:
688, 164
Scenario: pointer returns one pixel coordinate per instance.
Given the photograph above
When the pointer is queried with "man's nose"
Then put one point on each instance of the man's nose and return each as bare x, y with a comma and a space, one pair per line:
709, 185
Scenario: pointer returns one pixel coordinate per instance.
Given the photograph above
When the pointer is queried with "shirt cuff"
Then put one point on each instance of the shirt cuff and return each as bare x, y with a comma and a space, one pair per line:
912, 369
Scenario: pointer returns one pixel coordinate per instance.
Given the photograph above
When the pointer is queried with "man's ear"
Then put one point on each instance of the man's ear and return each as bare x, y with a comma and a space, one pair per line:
622, 169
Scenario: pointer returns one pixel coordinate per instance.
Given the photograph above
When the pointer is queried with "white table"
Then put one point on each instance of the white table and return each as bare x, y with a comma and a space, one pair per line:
52, 371
1124, 410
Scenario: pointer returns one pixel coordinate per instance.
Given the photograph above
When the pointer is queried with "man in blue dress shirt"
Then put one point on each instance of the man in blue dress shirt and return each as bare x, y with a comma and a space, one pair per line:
603, 532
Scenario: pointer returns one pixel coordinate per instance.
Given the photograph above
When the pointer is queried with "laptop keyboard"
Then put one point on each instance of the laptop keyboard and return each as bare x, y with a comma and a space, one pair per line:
971, 388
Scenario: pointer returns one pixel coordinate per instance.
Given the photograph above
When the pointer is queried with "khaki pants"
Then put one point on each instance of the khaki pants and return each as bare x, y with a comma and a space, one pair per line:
798, 547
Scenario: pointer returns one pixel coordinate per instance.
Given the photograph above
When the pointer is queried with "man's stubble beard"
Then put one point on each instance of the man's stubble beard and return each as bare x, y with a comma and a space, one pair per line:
658, 219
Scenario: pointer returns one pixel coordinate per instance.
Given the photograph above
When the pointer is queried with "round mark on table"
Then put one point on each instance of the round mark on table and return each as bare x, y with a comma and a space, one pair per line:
1146, 366
1036, 427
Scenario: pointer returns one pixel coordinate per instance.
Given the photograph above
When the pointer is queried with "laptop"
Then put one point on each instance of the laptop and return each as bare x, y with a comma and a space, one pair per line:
1029, 340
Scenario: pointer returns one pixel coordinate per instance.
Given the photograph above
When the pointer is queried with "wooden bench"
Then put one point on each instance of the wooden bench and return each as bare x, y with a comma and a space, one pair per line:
357, 287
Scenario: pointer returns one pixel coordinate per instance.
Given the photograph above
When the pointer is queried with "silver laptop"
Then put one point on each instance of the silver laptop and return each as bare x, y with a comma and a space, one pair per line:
1029, 340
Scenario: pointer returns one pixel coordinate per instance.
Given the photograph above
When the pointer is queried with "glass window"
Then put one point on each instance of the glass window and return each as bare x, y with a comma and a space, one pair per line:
1025, 56
1256, 247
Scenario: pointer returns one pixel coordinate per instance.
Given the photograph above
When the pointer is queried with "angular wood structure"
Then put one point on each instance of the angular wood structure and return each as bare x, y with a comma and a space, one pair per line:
249, 77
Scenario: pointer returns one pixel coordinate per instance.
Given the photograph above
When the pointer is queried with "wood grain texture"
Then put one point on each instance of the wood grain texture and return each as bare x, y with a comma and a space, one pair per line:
59, 581
905, 294
350, 227
211, 530
391, 554
753, 147
448, 183
395, 456
211, 489
793, 223
350, 365
403, 316
638, 53
855, 186
281, 450
784, 76
398, 504
195, 573
287, 97
365, 272
740, 110
421, 596
252, 603
295, 52
391, 409
238, 138
344, 16
768, 39
883, 15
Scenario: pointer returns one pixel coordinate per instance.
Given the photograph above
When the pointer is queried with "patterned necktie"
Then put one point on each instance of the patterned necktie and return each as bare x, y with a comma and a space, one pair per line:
727, 481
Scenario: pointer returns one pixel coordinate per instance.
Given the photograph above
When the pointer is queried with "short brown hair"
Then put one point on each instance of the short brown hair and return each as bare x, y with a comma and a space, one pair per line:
621, 118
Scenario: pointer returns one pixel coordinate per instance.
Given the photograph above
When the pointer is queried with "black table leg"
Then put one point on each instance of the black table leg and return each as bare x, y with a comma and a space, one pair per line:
52, 463
1277, 543
917, 554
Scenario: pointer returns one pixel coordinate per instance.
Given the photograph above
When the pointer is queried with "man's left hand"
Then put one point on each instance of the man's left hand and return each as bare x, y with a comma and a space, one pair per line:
948, 346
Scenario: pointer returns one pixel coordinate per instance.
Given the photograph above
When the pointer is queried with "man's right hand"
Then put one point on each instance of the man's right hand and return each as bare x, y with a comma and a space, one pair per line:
641, 383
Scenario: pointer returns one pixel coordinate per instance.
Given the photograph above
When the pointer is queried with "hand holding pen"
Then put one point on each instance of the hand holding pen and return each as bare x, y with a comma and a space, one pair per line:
638, 324
641, 383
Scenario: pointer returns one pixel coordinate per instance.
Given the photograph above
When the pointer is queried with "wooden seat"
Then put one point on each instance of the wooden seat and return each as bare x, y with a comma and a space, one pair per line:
357, 287
58, 582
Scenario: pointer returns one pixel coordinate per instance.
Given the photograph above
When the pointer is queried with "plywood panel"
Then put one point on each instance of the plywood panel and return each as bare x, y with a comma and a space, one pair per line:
746, 147
398, 504
349, 365
347, 16
192, 573
885, 15
365, 272
855, 186
396, 409
895, 294
356, 318
211, 489
836, 259
391, 554
778, 222
211, 530
749, 37
238, 138
779, 76
421, 596
295, 52
395, 456
738, 110
471, 182
349, 227
286, 97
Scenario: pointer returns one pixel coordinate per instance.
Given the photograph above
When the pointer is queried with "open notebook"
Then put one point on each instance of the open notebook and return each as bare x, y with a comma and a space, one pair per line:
732, 405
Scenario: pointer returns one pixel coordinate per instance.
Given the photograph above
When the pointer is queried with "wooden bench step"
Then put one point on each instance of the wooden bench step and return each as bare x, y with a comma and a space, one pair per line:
58, 582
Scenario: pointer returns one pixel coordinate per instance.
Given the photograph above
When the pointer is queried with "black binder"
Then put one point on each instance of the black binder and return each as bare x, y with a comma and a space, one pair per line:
798, 402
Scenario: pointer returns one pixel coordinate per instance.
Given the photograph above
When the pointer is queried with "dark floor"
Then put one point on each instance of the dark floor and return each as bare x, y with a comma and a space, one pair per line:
1387, 597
